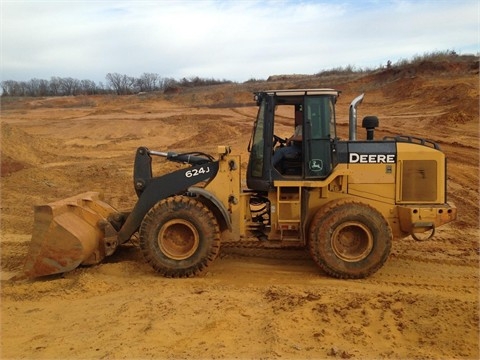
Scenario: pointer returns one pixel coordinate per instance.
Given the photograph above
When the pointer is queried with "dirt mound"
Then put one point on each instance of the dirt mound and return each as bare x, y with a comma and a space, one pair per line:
218, 96
10, 165
207, 131
63, 102
438, 68
456, 65
18, 146
19, 150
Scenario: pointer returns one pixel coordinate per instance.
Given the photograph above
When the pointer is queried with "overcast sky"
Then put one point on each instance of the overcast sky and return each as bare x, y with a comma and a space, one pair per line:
233, 40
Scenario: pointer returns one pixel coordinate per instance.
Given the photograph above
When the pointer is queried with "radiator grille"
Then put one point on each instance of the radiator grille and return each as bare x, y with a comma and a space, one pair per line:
419, 180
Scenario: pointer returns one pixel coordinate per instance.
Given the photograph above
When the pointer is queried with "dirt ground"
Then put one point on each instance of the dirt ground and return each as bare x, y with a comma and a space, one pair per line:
423, 304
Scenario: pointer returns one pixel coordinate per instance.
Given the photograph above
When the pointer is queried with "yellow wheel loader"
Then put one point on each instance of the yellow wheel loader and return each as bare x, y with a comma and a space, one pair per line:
343, 200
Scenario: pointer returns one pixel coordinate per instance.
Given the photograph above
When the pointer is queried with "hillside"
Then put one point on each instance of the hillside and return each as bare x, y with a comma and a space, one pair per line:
423, 304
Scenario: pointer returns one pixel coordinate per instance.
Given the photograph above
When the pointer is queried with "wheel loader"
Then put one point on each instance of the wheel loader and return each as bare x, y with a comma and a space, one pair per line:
343, 200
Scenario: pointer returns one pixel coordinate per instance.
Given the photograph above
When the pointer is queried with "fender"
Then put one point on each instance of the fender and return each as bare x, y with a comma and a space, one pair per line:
214, 202
159, 188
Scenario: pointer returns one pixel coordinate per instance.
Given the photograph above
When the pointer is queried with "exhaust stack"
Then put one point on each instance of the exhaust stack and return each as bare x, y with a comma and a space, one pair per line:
352, 130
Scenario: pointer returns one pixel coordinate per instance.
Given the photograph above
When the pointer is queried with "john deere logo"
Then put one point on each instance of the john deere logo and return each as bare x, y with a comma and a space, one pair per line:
355, 158
315, 165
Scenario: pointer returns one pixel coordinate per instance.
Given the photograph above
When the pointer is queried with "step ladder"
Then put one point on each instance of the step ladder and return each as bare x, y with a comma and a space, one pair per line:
289, 212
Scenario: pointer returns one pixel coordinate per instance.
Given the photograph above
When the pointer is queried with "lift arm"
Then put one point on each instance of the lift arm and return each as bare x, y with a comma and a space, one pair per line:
151, 190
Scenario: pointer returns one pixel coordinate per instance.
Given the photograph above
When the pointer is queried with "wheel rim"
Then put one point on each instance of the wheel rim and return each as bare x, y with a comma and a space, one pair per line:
178, 239
352, 241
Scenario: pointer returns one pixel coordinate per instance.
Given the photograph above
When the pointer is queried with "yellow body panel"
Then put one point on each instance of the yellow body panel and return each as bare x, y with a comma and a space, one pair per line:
420, 174
226, 188
386, 187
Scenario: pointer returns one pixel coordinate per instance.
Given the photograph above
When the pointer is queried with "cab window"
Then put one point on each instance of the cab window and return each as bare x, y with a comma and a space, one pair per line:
256, 155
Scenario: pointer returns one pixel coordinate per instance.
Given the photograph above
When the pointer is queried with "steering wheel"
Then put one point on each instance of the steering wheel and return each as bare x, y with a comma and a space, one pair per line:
278, 139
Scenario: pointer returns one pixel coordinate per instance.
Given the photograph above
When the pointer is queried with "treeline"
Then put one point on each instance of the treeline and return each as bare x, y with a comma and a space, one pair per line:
148, 82
115, 83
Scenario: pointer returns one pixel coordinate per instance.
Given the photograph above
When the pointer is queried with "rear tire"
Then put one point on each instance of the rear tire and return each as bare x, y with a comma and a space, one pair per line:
349, 239
179, 237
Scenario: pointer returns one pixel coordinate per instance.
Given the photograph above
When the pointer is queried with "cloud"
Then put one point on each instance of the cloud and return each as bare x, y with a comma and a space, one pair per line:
234, 40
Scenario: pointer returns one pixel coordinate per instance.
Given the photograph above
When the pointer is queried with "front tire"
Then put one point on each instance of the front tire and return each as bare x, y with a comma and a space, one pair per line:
179, 237
349, 239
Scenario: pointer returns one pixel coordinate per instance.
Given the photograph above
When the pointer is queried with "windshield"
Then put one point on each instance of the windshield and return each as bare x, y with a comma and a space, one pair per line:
257, 142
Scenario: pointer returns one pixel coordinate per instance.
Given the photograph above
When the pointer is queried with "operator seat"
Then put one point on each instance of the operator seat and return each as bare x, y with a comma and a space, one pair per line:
292, 165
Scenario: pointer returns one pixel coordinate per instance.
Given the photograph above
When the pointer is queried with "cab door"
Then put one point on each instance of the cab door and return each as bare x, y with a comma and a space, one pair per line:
319, 132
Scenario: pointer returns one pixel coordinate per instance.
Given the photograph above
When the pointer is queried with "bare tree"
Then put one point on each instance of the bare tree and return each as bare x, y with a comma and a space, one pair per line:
148, 82
31, 87
166, 83
69, 86
12, 88
37, 87
54, 85
101, 88
121, 84
88, 87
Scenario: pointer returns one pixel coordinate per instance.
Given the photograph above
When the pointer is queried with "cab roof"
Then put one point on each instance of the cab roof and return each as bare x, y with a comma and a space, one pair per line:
302, 92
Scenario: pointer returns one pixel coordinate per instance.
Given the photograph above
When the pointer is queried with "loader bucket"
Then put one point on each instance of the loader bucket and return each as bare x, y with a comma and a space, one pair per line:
68, 233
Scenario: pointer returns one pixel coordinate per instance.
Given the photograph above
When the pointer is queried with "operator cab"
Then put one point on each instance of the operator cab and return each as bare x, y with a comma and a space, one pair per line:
293, 136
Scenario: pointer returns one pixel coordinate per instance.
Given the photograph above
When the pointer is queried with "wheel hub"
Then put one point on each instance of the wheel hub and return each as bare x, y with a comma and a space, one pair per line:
352, 241
178, 239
